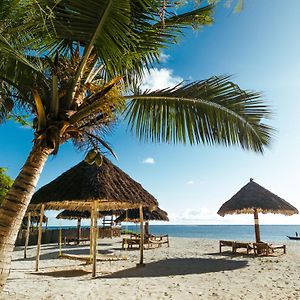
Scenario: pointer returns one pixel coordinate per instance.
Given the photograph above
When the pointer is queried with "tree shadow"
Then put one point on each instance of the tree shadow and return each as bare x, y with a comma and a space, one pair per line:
180, 266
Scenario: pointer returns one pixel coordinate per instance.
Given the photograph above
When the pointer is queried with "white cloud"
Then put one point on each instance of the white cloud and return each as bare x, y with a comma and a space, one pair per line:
163, 57
149, 160
159, 78
190, 182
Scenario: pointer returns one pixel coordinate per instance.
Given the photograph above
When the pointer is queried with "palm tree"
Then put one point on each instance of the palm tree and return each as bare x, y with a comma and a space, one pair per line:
71, 65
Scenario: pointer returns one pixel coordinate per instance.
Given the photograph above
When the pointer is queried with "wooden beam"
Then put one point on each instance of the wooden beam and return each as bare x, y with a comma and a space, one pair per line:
39, 239
27, 234
141, 264
256, 224
78, 230
91, 233
94, 238
59, 241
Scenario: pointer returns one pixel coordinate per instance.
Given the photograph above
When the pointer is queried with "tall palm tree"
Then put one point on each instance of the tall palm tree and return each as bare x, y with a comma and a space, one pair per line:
71, 65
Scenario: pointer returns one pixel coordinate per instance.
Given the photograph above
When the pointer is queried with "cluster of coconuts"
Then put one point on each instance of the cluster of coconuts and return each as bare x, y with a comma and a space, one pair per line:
94, 157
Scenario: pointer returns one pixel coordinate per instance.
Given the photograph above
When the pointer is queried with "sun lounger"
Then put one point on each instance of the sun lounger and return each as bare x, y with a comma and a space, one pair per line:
226, 244
266, 249
243, 245
158, 240
75, 240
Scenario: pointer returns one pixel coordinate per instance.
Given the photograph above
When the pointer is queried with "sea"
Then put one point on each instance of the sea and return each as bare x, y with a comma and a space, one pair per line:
269, 233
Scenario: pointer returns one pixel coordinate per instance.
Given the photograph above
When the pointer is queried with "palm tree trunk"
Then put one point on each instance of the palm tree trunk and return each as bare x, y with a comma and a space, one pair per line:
15, 204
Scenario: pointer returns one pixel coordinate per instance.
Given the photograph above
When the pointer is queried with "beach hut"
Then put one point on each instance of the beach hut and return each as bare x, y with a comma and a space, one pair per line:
93, 188
254, 199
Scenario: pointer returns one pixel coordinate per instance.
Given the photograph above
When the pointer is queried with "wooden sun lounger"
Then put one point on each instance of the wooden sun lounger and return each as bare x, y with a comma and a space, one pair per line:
266, 249
159, 240
149, 241
235, 245
243, 245
75, 240
223, 243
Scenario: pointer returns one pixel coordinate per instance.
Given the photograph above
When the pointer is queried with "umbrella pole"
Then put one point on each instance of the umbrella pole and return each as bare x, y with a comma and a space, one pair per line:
27, 235
94, 238
39, 239
141, 264
257, 231
59, 241
91, 234
78, 230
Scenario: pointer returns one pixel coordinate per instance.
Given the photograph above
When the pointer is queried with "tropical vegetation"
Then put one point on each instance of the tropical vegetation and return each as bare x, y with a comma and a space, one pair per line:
74, 68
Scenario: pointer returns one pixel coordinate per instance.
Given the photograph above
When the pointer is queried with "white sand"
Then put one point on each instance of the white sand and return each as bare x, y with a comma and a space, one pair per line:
189, 269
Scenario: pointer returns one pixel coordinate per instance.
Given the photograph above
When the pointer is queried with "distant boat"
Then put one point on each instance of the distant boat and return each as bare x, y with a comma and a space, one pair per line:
294, 237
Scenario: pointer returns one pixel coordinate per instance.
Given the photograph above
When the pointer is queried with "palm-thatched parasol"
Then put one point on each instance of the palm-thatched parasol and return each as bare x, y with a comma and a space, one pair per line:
253, 198
81, 186
133, 215
75, 215
92, 187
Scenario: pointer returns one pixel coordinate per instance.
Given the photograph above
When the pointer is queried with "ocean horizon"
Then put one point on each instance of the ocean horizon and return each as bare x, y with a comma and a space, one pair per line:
269, 233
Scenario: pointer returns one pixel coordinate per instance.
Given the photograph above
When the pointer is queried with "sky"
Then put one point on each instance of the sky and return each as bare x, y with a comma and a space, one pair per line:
260, 48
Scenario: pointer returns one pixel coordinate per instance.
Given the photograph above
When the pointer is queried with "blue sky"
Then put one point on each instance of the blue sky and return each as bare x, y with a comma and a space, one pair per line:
259, 46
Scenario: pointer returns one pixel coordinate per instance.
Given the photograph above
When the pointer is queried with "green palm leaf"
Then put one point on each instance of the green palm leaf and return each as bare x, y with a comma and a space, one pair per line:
213, 111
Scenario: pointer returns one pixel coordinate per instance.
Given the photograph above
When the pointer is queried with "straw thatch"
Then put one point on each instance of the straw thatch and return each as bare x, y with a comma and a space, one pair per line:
133, 215
85, 214
84, 184
253, 196
74, 215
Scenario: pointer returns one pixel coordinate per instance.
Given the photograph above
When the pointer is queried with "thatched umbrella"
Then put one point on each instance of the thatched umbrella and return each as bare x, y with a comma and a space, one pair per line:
89, 187
133, 215
253, 198
75, 215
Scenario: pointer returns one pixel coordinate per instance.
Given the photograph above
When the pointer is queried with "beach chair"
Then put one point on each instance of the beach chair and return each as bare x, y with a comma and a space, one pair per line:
158, 240
243, 245
266, 249
223, 243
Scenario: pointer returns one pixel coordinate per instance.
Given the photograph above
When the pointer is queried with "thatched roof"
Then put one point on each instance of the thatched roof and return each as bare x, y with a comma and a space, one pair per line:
80, 186
133, 215
74, 215
84, 214
253, 196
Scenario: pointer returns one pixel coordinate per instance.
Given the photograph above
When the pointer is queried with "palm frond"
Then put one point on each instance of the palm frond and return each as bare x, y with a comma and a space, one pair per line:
213, 111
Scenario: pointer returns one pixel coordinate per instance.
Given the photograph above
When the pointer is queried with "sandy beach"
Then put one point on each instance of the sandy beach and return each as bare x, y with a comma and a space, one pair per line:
189, 269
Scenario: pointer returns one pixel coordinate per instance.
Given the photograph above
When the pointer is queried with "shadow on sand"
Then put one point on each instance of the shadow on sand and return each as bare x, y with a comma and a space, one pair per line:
63, 273
180, 266
54, 254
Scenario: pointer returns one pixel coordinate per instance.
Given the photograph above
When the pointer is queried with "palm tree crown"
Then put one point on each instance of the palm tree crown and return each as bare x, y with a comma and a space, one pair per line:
76, 60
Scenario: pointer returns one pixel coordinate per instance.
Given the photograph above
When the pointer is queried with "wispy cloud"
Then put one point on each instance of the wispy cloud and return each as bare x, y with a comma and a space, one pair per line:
190, 182
149, 160
163, 57
159, 78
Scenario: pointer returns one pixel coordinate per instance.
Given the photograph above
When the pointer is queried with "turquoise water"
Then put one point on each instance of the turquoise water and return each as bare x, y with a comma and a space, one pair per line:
230, 232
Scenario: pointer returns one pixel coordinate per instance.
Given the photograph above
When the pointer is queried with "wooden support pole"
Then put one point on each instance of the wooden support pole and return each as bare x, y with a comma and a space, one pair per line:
39, 239
27, 234
94, 238
78, 230
256, 224
59, 241
91, 233
141, 264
